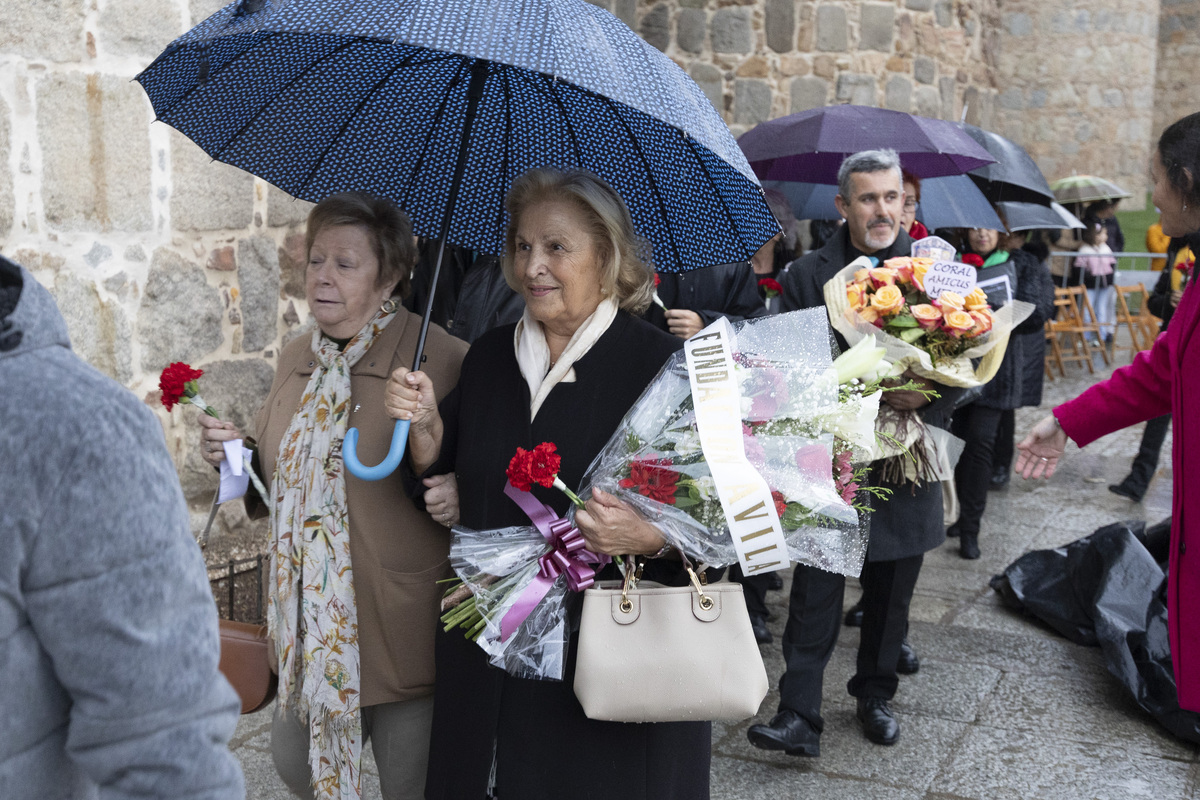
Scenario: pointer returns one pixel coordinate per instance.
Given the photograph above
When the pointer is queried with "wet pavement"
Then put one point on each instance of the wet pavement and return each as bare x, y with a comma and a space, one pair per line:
1002, 707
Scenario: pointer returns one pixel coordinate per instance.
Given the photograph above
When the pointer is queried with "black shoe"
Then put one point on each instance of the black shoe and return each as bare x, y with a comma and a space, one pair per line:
854, 616
968, 546
878, 723
774, 581
1125, 491
789, 732
999, 481
952, 531
907, 663
759, 626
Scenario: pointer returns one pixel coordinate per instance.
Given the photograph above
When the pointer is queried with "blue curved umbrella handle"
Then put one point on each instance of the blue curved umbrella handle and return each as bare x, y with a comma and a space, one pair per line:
389, 464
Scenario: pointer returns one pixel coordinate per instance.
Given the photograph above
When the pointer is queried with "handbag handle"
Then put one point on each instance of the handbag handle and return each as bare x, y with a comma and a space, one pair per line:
631, 577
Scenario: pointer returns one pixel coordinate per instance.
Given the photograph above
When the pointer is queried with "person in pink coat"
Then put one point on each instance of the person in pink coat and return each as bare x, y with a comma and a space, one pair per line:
1164, 379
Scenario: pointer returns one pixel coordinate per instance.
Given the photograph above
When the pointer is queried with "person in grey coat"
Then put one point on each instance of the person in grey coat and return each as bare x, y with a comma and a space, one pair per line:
903, 528
108, 630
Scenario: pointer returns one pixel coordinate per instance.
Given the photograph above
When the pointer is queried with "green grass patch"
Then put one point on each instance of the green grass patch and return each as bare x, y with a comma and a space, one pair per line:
1134, 225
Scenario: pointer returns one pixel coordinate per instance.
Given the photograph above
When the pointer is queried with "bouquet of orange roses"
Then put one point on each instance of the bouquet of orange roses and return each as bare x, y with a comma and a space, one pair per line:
934, 319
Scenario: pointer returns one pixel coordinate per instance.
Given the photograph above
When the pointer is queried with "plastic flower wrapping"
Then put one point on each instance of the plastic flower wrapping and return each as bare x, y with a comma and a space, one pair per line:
953, 338
806, 426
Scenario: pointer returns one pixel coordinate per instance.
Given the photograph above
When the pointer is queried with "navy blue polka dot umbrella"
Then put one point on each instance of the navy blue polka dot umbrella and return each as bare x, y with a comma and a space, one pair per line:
440, 104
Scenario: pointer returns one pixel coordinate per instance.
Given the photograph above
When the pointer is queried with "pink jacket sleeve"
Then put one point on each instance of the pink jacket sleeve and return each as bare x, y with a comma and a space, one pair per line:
1133, 394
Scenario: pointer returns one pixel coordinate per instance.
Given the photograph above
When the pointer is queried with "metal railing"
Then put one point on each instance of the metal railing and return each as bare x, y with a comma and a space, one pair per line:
1132, 268
237, 587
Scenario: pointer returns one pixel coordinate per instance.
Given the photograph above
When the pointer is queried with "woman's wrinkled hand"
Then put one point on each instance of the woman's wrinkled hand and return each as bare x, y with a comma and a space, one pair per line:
1039, 452
409, 395
213, 434
441, 498
613, 527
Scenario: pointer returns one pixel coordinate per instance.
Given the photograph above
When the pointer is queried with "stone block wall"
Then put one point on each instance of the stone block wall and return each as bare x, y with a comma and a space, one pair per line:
1177, 88
760, 59
154, 252
1078, 86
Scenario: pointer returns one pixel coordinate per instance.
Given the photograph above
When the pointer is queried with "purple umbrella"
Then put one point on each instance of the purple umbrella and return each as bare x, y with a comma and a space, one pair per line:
810, 146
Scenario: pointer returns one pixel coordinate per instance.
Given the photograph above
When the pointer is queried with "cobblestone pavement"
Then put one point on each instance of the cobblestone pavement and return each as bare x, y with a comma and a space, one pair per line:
1002, 707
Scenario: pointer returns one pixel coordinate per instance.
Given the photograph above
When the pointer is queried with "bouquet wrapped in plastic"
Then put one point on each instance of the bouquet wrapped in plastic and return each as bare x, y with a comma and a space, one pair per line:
946, 331
748, 447
934, 321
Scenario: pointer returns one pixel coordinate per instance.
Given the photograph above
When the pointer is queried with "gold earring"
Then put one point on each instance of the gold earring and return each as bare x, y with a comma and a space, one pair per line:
389, 306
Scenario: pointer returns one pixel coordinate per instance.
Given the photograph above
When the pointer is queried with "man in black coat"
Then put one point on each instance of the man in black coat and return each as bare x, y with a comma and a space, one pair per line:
871, 198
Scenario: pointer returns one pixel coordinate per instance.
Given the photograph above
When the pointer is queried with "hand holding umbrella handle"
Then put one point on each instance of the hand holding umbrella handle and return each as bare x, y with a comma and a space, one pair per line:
388, 465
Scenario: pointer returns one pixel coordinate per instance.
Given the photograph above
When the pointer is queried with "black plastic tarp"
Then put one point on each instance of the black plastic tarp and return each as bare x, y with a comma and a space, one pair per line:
1109, 589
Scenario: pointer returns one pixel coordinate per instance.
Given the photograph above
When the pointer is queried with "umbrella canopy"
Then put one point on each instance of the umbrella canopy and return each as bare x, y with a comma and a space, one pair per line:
811, 145
1085, 189
405, 98
949, 202
1014, 176
319, 97
1031, 216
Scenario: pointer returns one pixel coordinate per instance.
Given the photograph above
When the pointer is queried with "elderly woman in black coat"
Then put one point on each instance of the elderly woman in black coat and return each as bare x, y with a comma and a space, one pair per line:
978, 422
566, 373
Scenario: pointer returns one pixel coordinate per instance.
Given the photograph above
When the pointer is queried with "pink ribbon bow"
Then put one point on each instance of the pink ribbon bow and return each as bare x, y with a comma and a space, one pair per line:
568, 556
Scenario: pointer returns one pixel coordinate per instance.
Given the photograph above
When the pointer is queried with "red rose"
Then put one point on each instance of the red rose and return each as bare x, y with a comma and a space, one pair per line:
973, 260
174, 380
650, 479
780, 502
657, 280
539, 465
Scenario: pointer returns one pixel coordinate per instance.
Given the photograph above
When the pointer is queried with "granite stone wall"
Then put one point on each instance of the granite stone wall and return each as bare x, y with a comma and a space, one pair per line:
1078, 86
1177, 85
760, 59
154, 252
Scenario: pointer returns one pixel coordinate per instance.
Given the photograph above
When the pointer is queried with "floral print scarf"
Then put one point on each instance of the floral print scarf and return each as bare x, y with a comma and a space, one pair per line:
311, 612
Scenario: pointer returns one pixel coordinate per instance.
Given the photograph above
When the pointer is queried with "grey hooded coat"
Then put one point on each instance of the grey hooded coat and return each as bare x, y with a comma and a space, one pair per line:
108, 633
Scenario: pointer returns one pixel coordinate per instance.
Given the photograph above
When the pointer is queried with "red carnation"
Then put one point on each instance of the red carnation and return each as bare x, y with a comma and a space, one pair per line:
973, 260
650, 478
770, 287
173, 383
539, 465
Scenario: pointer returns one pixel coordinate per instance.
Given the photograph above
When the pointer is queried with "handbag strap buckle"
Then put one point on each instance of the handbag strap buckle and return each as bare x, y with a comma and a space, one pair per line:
706, 602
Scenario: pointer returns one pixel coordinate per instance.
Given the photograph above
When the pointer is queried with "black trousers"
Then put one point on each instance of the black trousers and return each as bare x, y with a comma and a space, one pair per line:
1002, 456
815, 619
1146, 461
977, 426
754, 589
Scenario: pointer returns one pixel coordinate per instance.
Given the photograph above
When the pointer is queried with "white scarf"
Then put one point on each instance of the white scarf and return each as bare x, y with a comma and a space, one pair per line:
533, 353
311, 612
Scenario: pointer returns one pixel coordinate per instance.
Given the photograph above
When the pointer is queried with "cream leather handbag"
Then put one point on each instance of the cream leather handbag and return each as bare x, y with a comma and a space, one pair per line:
654, 653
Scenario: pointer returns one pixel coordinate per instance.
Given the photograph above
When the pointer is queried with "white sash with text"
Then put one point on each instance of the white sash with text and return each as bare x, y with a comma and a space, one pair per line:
745, 496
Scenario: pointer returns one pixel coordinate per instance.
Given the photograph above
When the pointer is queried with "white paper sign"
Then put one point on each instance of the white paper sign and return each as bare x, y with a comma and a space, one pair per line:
745, 497
234, 475
934, 247
949, 276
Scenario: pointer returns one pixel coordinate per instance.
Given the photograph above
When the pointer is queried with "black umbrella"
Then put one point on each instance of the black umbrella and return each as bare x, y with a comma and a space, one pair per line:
1031, 216
1014, 177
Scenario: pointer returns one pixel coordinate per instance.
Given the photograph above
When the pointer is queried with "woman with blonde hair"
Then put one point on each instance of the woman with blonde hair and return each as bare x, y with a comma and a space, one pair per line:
566, 373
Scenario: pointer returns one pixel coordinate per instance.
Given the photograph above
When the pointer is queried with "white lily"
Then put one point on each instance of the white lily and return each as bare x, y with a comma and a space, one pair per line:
858, 360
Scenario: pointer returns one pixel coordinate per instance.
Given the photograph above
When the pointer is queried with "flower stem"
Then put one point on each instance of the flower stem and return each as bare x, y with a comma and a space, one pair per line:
562, 487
